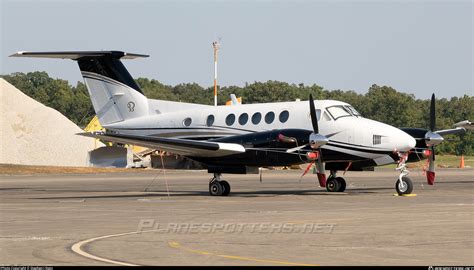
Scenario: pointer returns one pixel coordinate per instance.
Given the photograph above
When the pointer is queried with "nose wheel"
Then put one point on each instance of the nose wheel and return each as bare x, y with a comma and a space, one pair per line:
405, 186
218, 187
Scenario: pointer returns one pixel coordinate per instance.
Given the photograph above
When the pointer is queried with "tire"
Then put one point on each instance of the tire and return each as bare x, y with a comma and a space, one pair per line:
342, 184
408, 186
226, 187
332, 185
215, 189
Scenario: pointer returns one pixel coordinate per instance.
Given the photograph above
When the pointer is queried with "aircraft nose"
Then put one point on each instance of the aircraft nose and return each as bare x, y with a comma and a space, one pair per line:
406, 142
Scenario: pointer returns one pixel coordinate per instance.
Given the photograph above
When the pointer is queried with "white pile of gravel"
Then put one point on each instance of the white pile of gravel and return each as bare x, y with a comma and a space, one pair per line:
33, 134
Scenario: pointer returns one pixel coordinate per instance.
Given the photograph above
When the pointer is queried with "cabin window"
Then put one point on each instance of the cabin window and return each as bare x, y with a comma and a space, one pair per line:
269, 117
187, 122
243, 118
284, 116
230, 119
210, 120
377, 139
256, 118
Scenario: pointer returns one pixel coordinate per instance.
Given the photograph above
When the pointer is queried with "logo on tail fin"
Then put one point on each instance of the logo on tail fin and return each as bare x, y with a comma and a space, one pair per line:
131, 106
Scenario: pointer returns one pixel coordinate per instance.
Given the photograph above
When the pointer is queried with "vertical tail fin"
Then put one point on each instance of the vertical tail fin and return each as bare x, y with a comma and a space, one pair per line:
114, 94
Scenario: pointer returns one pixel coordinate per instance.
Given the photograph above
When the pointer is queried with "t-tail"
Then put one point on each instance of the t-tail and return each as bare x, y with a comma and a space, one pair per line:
115, 95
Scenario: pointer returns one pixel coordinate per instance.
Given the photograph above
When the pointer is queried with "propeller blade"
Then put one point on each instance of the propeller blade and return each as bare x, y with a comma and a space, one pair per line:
312, 111
321, 173
433, 113
294, 149
430, 173
307, 168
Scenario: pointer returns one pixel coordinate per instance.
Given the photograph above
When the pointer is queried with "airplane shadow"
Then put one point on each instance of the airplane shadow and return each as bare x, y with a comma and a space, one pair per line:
243, 194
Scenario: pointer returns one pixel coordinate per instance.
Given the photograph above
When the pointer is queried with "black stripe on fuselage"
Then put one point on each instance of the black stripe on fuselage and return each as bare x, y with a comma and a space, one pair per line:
102, 80
371, 151
349, 146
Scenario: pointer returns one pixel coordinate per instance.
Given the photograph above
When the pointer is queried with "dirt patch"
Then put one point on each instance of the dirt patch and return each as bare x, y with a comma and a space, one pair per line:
11, 169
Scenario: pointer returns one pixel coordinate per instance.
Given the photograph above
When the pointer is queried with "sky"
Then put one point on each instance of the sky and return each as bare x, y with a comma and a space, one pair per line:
417, 47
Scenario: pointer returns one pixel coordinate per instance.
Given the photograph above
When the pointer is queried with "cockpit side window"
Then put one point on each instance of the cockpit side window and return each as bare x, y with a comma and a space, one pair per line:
353, 111
338, 111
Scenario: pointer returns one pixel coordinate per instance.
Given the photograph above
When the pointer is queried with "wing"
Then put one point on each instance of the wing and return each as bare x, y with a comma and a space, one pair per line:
177, 146
458, 130
461, 127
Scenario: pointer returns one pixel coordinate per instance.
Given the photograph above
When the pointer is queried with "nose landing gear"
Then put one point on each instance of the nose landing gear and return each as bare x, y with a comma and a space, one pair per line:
404, 185
218, 187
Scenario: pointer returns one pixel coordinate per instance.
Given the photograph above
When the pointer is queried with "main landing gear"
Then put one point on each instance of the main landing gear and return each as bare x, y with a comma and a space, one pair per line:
218, 187
335, 184
404, 185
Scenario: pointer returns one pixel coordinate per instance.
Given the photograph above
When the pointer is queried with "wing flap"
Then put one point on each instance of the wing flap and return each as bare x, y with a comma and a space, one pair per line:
177, 146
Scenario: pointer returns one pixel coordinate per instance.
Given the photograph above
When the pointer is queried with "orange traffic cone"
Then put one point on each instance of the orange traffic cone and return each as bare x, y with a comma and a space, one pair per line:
461, 165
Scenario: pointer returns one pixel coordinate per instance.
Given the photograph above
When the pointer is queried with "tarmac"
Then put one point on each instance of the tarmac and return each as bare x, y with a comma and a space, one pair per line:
146, 217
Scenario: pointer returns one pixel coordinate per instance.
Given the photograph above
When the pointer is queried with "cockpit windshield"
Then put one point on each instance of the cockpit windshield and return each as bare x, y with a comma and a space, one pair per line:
353, 111
338, 111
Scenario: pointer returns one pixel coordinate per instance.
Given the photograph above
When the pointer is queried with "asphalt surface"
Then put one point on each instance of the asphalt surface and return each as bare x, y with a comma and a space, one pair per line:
110, 219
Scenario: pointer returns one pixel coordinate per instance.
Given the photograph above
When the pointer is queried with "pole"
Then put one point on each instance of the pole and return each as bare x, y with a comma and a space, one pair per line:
215, 45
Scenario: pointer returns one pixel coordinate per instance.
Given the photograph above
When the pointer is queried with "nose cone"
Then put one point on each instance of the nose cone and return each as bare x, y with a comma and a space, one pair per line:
406, 142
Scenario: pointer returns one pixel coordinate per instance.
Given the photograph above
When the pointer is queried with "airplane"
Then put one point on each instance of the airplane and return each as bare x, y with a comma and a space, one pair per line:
330, 134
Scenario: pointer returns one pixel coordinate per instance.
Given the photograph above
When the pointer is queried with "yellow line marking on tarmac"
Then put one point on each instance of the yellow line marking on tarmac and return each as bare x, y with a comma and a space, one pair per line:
177, 245
77, 248
404, 195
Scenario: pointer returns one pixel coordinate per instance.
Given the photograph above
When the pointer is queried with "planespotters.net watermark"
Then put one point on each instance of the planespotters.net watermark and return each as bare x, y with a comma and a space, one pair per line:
255, 227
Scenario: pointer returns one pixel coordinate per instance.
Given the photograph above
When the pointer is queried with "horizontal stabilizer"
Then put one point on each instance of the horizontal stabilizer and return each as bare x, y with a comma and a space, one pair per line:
74, 55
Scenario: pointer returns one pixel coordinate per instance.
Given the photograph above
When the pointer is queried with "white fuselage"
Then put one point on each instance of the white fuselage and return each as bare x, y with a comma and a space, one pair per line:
337, 120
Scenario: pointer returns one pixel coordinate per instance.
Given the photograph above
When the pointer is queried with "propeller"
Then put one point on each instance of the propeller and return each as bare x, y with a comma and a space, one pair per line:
432, 139
316, 140
312, 112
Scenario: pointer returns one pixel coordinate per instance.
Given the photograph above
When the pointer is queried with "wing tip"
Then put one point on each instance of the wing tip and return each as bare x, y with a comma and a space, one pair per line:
17, 54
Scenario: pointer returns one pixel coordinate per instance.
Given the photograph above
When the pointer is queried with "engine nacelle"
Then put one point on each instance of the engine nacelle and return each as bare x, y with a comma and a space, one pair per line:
432, 138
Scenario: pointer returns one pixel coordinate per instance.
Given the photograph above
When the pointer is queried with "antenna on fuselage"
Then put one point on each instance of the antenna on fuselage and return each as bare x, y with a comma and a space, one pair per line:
216, 45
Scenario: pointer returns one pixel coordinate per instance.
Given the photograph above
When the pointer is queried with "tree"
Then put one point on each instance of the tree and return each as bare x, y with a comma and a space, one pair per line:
381, 103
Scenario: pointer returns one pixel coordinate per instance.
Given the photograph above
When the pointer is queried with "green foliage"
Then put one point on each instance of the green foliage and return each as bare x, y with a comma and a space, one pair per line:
381, 103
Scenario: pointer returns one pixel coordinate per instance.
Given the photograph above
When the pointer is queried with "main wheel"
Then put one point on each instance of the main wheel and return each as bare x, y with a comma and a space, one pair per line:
342, 184
332, 185
226, 187
405, 186
215, 188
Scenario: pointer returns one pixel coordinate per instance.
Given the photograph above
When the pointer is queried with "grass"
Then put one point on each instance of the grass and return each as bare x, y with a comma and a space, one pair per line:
442, 161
